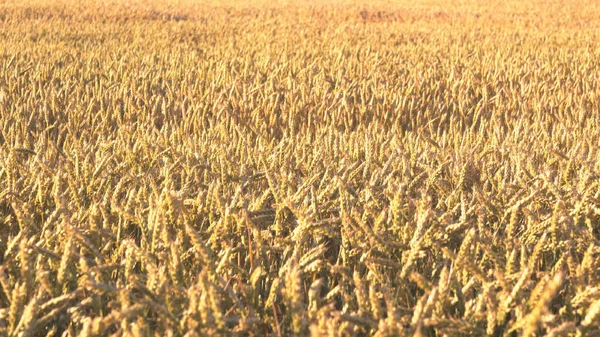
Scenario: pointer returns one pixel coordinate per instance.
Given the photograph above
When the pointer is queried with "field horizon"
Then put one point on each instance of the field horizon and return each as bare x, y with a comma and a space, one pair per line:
238, 168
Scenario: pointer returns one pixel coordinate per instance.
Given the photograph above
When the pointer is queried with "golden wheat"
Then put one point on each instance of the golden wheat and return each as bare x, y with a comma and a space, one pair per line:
326, 168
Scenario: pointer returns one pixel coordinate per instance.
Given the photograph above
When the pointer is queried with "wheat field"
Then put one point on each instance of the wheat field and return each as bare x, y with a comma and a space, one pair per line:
334, 168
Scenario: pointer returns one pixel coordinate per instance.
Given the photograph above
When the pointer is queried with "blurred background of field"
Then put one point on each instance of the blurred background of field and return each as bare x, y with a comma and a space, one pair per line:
411, 168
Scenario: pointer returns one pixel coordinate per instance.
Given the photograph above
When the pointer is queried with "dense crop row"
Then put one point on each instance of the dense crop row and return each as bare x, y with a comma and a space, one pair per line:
427, 169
